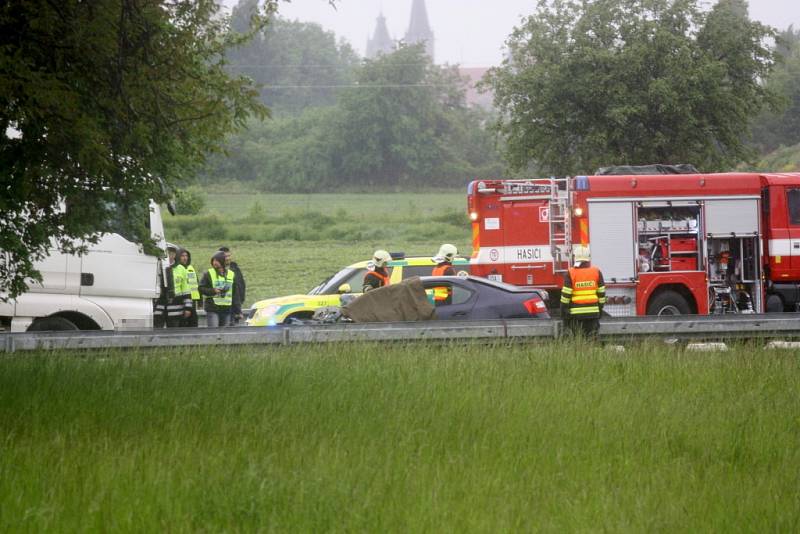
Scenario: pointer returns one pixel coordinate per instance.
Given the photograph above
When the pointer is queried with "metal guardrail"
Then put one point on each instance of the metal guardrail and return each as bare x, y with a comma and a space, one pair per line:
781, 326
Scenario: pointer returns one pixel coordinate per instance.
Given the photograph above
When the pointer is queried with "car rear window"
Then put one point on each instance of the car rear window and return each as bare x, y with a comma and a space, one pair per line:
458, 294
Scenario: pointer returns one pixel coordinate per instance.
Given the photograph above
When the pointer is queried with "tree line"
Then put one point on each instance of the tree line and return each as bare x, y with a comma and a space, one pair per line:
589, 84
584, 85
339, 122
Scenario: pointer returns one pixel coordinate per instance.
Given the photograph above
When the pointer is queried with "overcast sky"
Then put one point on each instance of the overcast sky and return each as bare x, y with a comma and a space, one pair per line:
468, 32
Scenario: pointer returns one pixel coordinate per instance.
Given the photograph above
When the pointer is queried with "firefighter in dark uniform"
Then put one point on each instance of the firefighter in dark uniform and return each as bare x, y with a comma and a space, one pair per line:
583, 295
161, 304
377, 275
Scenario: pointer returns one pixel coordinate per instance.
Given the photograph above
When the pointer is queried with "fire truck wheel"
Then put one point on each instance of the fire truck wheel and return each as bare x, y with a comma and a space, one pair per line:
774, 304
668, 303
43, 324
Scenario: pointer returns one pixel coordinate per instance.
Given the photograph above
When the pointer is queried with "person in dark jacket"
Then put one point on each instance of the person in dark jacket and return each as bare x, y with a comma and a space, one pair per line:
241, 287
161, 304
218, 286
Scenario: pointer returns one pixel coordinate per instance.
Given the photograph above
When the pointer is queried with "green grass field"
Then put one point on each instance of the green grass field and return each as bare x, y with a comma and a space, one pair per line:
404, 438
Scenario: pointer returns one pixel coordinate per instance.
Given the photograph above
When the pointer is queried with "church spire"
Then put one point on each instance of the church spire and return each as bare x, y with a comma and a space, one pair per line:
381, 42
419, 29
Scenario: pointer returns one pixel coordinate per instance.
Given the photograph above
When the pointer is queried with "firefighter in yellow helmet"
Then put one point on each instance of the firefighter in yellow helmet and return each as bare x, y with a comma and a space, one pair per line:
583, 295
377, 275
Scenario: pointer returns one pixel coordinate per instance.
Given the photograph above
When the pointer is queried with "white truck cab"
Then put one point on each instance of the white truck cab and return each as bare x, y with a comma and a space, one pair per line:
111, 287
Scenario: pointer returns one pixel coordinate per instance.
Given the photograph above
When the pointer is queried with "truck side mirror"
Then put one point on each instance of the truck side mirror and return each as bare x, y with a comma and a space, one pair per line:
344, 288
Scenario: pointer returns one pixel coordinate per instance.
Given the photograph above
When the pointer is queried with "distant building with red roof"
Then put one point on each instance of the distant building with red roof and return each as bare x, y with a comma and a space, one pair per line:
473, 96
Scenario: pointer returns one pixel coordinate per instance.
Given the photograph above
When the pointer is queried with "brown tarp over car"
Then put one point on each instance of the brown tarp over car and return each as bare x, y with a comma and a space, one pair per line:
405, 301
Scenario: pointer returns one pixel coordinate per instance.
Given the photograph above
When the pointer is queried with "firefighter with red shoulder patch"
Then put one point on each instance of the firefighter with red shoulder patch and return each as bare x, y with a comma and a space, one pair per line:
583, 295
377, 275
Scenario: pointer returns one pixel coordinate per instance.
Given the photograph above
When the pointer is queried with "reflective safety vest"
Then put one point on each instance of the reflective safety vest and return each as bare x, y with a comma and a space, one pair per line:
444, 269
584, 292
179, 280
441, 294
191, 280
384, 278
226, 284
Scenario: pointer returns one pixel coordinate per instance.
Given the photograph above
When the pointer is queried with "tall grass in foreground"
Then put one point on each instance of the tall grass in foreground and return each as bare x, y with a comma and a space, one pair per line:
369, 437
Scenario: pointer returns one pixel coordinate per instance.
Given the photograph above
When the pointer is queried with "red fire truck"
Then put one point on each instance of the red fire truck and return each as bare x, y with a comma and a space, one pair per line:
666, 244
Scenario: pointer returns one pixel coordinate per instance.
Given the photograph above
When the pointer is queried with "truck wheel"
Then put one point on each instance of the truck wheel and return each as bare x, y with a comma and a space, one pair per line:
774, 304
45, 324
668, 303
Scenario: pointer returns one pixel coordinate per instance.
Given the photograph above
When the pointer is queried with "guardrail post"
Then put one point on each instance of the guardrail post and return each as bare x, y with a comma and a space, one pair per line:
286, 337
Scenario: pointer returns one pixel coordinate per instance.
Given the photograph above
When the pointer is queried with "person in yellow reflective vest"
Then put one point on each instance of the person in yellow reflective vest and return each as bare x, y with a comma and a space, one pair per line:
583, 295
180, 304
184, 259
219, 290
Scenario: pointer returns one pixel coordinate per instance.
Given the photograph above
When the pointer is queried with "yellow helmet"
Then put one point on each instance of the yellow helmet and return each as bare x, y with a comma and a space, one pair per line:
447, 252
580, 254
380, 258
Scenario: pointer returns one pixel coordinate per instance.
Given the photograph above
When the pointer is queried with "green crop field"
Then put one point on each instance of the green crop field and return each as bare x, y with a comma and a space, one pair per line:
287, 244
401, 438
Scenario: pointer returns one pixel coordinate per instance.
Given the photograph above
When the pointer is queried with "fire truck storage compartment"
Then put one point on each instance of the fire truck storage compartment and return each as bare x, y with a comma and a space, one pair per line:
683, 244
683, 264
668, 235
732, 240
611, 238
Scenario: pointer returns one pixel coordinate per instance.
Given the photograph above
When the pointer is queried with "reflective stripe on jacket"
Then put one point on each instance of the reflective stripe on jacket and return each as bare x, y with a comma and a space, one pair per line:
584, 292
191, 280
225, 299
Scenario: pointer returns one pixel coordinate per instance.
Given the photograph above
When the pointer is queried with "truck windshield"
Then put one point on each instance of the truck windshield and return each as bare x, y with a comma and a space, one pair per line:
120, 219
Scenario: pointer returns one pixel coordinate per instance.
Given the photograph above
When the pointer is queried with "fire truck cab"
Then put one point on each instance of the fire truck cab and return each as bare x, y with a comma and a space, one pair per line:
666, 244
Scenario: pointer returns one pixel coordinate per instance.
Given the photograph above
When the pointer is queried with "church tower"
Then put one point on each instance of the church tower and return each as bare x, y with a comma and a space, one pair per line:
381, 42
419, 29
